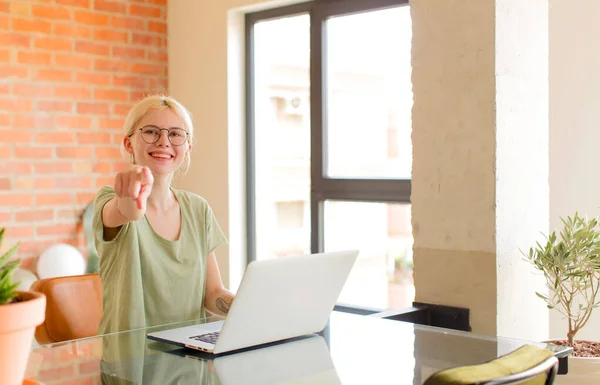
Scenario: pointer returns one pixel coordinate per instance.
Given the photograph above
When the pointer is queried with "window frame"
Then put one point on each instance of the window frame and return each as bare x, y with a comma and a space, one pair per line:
323, 188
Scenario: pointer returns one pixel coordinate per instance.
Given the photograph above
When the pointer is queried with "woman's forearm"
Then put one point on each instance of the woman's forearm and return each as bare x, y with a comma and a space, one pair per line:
219, 301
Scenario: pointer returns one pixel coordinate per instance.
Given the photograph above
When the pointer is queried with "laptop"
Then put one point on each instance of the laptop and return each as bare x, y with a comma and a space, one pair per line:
278, 299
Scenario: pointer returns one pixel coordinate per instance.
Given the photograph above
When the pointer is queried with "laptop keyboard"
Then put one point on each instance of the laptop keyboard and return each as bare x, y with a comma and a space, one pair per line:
210, 338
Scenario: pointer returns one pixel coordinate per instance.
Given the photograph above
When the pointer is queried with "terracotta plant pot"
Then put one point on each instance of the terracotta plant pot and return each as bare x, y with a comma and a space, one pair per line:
18, 321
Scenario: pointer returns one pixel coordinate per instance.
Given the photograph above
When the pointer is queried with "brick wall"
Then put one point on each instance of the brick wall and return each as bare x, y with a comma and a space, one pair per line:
69, 72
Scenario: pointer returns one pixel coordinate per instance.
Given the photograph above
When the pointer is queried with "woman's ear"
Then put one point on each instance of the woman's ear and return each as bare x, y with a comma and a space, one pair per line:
127, 145
190, 148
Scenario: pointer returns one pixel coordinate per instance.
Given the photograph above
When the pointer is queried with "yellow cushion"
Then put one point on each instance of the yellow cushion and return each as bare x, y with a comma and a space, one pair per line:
515, 362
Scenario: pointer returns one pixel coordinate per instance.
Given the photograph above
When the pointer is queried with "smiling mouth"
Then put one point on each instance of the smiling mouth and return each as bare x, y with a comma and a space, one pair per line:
156, 155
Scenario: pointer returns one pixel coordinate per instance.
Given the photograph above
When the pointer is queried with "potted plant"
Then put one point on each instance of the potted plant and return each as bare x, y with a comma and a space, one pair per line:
20, 313
570, 264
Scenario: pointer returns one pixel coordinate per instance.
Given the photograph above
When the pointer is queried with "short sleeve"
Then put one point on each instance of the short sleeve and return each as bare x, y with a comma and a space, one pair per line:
214, 234
102, 198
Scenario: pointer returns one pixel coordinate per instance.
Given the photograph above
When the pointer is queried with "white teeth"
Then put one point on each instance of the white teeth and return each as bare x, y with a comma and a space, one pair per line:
163, 156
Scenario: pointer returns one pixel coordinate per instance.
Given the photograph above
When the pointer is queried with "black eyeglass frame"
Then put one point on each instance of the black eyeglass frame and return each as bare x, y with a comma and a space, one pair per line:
187, 134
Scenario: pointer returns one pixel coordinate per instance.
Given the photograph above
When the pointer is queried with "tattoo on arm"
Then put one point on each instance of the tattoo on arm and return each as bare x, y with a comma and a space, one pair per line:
224, 303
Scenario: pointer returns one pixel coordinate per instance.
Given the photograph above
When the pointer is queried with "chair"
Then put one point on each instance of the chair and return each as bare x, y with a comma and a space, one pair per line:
73, 307
528, 365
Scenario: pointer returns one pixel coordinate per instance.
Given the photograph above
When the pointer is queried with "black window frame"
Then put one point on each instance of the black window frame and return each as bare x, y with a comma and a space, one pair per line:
323, 188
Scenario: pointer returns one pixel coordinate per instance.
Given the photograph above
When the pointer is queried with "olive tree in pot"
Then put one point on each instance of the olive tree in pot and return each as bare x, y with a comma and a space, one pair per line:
20, 313
570, 264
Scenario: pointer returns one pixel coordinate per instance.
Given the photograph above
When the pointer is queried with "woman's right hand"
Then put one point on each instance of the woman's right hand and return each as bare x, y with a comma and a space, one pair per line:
135, 184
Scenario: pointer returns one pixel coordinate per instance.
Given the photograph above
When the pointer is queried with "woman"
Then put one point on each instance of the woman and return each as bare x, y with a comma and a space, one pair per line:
156, 243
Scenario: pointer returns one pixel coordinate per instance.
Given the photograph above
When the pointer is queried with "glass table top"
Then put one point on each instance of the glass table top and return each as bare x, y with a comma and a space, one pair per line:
352, 349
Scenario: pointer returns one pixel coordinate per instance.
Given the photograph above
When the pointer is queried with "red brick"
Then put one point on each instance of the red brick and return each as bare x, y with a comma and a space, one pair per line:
159, 56
5, 183
112, 36
25, 89
128, 23
5, 153
53, 168
74, 152
4, 89
85, 198
93, 78
104, 181
73, 61
111, 65
76, 183
144, 11
121, 109
92, 108
55, 229
15, 105
16, 136
46, 12
157, 2
81, 381
94, 138
157, 26
74, 3
128, 52
110, 6
72, 92
4, 22
45, 183
20, 200
91, 18
89, 367
130, 81
149, 69
5, 119
53, 199
14, 167
74, 122
53, 75
34, 152
108, 153
14, 40
110, 94
24, 184
13, 72
34, 215
72, 30
36, 58
102, 168
121, 166
19, 8
55, 106
14, 232
54, 137
5, 217
25, 25
101, 49
147, 40
113, 124
53, 43
134, 96
158, 83
28, 121
4, 55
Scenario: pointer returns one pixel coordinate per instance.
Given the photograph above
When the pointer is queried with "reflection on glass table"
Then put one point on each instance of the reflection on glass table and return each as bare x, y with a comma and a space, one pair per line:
352, 349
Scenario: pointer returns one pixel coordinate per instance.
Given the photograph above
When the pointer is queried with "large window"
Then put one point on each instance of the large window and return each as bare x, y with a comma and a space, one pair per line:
329, 152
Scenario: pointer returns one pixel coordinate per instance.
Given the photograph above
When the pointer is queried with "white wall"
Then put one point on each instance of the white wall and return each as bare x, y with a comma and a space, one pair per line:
574, 122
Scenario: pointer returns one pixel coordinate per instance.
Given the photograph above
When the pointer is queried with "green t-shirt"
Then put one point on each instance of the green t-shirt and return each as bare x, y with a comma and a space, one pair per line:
148, 280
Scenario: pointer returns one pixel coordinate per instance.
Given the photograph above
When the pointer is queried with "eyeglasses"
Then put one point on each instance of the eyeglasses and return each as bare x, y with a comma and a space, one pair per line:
151, 134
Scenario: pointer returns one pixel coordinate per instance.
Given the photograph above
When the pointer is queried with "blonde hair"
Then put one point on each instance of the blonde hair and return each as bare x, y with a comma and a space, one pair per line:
160, 102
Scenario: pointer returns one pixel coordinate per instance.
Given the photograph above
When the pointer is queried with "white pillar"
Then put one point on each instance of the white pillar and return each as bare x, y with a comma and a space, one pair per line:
480, 167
